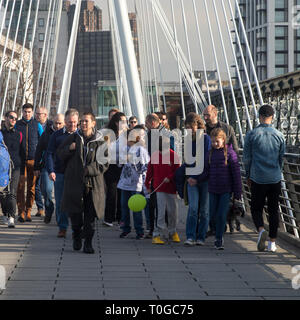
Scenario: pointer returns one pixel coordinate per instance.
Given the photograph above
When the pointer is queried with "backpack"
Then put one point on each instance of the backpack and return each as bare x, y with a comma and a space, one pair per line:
4, 165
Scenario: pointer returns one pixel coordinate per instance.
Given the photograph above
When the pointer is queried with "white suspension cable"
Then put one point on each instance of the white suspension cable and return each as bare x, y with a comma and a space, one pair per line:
117, 43
31, 50
189, 53
4, 16
115, 56
169, 34
144, 65
217, 62
261, 101
229, 75
11, 60
7, 38
148, 77
48, 40
237, 67
159, 58
178, 66
51, 63
21, 66
152, 54
43, 55
64, 96
52, 71
243, 61
201, 50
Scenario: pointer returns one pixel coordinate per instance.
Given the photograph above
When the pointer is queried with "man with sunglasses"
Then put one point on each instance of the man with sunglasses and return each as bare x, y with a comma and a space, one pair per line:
133, 121
12, 139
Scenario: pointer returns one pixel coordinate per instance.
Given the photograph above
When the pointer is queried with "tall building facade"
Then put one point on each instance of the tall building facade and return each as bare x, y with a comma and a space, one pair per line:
272, 35
40, 38
93, 61
93, 85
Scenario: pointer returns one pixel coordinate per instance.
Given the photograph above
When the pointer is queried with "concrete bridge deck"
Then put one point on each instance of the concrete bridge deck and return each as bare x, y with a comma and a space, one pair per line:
41, 266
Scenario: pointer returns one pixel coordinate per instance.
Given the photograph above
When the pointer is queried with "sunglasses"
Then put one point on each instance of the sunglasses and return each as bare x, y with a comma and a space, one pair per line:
12, 118
133, 121
164, 119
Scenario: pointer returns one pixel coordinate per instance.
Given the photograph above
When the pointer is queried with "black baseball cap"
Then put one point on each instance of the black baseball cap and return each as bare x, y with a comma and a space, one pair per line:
266, 111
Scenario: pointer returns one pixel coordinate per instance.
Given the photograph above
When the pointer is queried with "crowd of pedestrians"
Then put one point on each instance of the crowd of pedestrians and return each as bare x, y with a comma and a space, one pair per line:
62, 155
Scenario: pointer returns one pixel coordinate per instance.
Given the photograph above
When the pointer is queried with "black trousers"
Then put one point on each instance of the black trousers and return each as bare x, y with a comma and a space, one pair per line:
9, 199
259, 194
85, 219
113, 194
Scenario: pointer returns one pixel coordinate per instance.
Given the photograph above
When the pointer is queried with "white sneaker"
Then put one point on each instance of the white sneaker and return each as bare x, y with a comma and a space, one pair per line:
200, 242
272, 246
262, 238
11, 222
189, 242
5, 220
108, 224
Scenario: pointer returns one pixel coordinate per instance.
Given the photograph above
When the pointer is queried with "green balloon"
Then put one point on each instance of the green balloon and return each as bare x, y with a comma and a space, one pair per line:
137, 203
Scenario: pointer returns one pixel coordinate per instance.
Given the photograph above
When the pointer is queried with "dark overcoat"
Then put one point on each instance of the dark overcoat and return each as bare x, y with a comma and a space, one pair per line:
75, 181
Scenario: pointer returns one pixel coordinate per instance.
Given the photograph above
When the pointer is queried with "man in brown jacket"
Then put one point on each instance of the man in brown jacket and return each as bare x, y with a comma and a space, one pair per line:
84, 186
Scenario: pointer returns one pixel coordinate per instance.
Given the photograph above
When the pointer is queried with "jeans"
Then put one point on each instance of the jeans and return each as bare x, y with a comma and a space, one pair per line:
259, 192
38, 194
137, 216
8, 200
198, 212
61, 217
218, 207
47, 187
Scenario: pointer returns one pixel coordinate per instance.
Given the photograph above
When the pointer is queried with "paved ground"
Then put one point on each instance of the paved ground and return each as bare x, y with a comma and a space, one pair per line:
41, 266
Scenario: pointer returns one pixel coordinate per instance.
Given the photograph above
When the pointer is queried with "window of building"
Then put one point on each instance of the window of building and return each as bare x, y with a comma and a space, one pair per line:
280, 71
41, 36
281, 58
280, 4
280, 44
41, 22
281, 10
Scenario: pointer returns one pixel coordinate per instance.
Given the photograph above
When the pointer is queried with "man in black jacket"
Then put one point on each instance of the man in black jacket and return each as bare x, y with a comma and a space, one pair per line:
12, 139
40, 165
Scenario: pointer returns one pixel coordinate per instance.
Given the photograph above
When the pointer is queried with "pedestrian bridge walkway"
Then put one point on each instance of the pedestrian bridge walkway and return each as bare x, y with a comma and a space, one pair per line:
41, 266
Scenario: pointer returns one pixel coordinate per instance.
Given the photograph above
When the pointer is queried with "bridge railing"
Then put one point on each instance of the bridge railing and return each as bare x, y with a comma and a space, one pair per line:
289, 204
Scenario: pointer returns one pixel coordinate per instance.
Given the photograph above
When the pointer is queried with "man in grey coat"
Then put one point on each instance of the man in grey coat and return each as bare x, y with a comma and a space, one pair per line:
84, 186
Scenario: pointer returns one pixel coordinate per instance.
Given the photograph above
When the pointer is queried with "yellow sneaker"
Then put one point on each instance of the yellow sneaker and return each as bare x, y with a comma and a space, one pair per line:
175, 237
157, 240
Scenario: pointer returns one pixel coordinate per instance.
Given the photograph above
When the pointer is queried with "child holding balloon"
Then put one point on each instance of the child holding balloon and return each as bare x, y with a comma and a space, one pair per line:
132, 179
161, 172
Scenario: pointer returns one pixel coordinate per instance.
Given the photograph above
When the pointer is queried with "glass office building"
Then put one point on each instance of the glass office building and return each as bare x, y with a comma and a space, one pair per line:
273, 37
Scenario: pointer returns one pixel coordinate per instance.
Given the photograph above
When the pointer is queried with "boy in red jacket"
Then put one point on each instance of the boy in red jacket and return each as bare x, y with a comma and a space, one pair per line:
161, 172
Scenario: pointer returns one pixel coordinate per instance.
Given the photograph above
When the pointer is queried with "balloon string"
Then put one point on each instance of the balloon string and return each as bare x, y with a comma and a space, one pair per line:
157, 187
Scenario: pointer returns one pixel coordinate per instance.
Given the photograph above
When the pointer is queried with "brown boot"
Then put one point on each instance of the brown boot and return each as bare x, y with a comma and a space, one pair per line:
22, 217
28, 216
